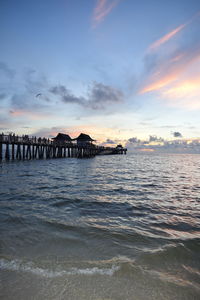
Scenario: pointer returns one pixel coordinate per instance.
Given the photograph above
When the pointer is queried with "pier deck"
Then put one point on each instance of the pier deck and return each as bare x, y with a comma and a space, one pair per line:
14, 147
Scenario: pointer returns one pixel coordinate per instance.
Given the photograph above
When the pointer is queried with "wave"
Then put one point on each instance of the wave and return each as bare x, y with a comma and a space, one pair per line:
21, 266
172, 253
119, 265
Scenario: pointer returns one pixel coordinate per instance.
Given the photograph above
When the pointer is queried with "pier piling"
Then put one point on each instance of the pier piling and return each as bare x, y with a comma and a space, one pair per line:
1, 148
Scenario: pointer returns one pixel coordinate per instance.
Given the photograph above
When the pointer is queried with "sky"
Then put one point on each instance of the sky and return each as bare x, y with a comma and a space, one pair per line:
123, 71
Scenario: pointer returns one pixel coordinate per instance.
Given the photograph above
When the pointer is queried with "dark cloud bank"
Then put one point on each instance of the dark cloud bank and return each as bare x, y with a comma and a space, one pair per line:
99, 97
177, 134
177, 145
35, 92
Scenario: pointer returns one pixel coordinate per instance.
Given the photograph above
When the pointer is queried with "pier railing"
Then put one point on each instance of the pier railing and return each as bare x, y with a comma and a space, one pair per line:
25, 147
12, 138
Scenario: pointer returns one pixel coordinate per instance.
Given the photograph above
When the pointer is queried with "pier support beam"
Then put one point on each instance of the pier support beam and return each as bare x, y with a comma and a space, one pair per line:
64, 152
47, 151
36, 151
13, 151
19, 155
28, 152
54, 151
33, 151
23, 151
1, 151
7, 154
40, 152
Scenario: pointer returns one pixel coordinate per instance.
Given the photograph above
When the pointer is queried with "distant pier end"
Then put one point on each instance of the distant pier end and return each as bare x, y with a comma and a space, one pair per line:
14, 147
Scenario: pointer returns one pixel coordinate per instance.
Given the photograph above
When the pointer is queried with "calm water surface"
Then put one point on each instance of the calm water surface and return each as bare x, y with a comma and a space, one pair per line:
112, 227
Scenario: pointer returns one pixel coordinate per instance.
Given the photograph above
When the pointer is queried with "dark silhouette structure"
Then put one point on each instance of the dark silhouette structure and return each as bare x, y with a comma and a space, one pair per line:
24, 147
84, 140
63, 138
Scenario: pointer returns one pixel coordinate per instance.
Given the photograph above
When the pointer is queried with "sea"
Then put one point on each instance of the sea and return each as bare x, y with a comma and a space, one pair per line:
115, 227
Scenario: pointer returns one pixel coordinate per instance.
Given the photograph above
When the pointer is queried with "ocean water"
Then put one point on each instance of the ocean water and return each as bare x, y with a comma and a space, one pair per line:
110, 227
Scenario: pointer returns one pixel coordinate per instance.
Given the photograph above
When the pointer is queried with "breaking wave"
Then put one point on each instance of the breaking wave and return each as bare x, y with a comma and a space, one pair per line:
19, 265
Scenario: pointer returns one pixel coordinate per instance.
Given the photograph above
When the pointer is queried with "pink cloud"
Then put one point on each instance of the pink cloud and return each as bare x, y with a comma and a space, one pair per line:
28, 114
172, 33
102, 9
177, 82
166, 37
171, 70
185, 93
173, 74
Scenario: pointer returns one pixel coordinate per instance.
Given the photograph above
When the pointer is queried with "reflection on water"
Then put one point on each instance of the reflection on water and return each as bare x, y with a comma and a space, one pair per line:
113, 227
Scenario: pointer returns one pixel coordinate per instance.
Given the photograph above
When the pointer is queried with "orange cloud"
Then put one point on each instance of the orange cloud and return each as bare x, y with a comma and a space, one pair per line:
171, 70
28, 114
102, 9
16, 113
185, 93
176, 79
166, 37
159, 83
184, 88
147, 150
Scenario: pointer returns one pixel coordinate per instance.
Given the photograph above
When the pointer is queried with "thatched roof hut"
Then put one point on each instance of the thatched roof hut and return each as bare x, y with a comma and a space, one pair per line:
62, 137
83, 138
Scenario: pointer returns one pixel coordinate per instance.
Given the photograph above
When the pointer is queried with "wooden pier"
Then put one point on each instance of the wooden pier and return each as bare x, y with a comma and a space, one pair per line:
14, 147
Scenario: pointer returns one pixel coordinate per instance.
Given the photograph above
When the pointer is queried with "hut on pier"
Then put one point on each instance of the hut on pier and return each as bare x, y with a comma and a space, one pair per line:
62, 138
84, 140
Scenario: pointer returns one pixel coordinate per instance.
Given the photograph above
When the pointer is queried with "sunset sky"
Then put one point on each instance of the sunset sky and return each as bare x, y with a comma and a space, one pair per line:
114, 69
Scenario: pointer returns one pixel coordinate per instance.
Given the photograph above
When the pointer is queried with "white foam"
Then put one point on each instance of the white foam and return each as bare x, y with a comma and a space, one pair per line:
95, 270
20, 266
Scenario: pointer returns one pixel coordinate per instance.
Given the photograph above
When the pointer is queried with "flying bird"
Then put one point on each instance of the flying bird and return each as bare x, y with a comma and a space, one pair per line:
38, 95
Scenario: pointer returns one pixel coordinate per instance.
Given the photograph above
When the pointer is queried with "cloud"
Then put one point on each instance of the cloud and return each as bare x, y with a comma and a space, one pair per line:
9, 123
66, 95
31, 115
47, 132
166, 37
154, 138
134, 140
166, 146
6, 71
25, 101
35, 93
109, 141
24, 96
184, 93
172, 33
168, 70
177, 134
36, 84
173, 73
112, 143
102, 9
100, 96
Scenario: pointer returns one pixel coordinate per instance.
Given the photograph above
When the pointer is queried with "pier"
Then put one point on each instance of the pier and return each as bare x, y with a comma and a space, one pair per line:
14, 147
